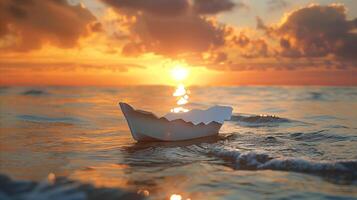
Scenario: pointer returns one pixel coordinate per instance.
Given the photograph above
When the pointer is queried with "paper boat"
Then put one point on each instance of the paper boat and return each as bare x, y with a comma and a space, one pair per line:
145, 126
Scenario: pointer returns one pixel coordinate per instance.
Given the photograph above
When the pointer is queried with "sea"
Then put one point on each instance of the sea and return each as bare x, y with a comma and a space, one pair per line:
282, 142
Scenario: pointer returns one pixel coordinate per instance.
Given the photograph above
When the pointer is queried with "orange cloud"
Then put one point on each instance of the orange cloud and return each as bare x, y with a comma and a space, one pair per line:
173, 28
314, 36
27, 25
316, 31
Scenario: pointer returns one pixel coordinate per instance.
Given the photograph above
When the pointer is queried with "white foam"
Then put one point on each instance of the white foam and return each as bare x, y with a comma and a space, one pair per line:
262, 160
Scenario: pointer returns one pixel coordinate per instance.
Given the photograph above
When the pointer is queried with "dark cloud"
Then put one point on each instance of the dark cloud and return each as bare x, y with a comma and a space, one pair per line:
218, 57
260, 24
311, 37
156, 7
28, 24
242, 40
256, 48
284, 64
318, 31
174, 7
184, 34
251, 47
269, 31
213, 6
96, 27
173, 28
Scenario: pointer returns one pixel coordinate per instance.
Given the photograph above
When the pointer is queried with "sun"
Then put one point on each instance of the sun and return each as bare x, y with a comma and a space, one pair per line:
179, 73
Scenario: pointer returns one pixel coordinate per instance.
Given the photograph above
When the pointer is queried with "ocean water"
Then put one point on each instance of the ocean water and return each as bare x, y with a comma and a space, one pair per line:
281, 143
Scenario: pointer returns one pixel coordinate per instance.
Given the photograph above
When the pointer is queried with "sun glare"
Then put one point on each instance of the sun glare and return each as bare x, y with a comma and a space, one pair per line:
175, 197
179, 73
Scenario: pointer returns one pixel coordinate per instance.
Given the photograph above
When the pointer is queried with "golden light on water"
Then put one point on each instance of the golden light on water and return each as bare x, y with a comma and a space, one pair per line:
180, 73
175, 197
51, 178
143, 192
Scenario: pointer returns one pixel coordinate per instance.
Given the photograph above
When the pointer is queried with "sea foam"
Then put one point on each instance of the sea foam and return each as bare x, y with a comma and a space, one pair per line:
262, 160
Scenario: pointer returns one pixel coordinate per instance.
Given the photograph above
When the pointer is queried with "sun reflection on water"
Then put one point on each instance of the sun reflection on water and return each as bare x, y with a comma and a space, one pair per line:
182, 98
51, 178
180, 73
143, 192
175, 197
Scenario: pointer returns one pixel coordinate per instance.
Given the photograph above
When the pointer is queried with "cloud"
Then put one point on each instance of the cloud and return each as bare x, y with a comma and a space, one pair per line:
28, 24
63, 66
156, 7
314, 36
260, 24
311, 36
318, 31
269, 31
173, 28
174, 7
277, 4
252, 47
179, 35
214, 6
256, 48
219, 57
242, 40
133, 49
282, 64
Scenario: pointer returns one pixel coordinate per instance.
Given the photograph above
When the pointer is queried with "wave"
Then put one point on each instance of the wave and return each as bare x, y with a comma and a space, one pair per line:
3, 89
259, 120
316, 96
182, 154
317, 136
34, 92
264, 161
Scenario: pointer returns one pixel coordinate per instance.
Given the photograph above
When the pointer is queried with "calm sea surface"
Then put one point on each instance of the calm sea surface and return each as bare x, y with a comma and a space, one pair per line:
281, 143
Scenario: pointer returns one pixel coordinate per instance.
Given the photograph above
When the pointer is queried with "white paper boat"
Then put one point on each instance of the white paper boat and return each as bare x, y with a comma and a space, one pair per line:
145, 126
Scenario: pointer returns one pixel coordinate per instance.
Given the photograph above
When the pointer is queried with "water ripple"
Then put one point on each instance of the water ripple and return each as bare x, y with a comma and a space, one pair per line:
34, 92
46, 119
260, 120
321, 135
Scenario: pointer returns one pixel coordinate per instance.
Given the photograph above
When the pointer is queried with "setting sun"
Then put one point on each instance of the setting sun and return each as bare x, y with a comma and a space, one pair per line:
179, 73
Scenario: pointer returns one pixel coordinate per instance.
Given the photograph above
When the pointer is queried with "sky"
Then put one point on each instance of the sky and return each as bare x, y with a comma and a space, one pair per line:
140, 42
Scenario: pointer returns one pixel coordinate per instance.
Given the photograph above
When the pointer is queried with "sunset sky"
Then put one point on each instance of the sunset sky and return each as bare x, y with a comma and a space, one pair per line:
219, 42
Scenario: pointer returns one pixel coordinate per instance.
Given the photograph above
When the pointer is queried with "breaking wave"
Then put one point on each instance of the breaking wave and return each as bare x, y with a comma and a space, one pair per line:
262, 161
259, 120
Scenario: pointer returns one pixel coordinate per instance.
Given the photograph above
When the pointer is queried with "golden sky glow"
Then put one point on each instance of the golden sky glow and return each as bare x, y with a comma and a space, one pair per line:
109, 42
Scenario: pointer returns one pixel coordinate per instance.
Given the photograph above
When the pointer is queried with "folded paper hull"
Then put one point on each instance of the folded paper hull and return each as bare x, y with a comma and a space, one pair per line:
145, 126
